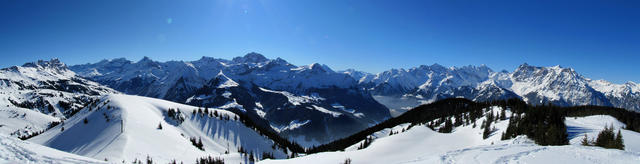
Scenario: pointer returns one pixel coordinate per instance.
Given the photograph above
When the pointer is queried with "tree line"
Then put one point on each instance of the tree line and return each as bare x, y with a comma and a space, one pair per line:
544, 124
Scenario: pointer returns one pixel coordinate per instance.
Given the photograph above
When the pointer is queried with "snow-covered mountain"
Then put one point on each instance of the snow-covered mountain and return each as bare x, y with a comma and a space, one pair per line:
357, 75
621, 95
535, 85
127, 128
38, 94
310, 104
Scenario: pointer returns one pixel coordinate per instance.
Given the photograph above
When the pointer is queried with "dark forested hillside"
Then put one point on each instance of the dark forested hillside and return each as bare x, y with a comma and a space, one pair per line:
418, 115
543, 124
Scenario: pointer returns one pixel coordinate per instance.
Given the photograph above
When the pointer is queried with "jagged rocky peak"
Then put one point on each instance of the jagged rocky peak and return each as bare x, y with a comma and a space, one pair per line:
145, 59
481, 67
559, 71
525, 67
207, 59
53, 63
526, 71
435, 66
251, 57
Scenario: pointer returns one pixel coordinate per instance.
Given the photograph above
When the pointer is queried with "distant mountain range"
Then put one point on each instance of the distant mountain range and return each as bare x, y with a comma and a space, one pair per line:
310, 104
535, 85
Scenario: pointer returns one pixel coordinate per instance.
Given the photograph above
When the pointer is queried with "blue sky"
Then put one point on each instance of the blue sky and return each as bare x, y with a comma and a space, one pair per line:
600, 39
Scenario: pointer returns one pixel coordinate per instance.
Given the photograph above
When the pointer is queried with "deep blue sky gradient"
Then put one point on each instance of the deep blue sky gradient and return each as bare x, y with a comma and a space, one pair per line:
600, 39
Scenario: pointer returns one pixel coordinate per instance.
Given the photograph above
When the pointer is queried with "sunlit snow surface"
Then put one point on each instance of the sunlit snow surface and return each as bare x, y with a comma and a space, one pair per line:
13, 150
131, 133
465, 145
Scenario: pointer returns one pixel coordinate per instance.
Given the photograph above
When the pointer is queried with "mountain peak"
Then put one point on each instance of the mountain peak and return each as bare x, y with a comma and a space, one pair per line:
280, 61
436, 65
251, 57
524, 65
320, 67
556, 67
315, 65
53, 63
206, 58
147, 62
222, 81
145, 59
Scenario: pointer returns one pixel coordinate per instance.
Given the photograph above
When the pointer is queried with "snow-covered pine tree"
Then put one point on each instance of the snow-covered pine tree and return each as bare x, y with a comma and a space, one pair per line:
585, 141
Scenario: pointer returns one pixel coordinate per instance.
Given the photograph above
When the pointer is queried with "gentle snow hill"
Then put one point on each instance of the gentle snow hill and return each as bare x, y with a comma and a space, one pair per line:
13, 150
19, 122
420, 144
577, 127
139, 117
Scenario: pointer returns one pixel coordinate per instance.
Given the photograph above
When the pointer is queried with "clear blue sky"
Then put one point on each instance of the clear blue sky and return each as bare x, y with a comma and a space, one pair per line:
600, 39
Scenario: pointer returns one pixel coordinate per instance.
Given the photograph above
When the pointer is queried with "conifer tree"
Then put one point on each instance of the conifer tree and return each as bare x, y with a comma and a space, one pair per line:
251, 158
585, 141
619, 141
149, 160
486, 132
347, 161
605, 138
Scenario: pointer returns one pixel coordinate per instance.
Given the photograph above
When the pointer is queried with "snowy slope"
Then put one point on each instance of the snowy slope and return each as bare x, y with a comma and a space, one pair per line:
20, 122
131, 132
577, 127
13, 150
420, 144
